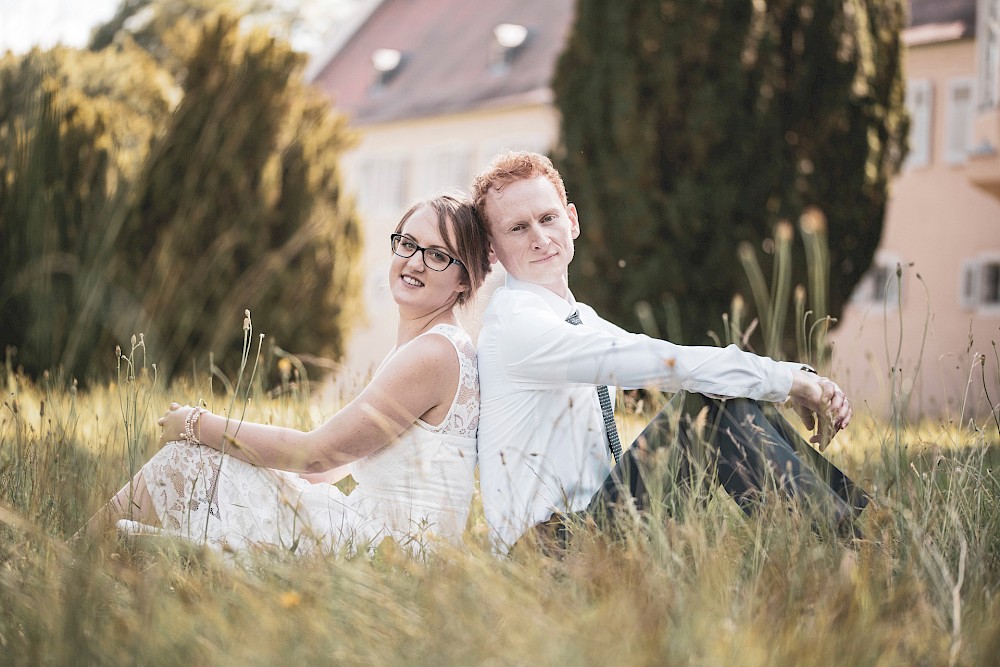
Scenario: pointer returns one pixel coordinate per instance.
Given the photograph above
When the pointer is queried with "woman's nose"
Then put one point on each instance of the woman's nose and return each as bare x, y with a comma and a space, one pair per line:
415, 262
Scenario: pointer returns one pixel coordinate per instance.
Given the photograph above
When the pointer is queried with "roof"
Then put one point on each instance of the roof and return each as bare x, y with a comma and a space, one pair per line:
940, 20
448, 48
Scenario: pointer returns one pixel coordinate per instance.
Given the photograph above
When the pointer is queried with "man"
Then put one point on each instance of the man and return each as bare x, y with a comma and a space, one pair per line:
546, 443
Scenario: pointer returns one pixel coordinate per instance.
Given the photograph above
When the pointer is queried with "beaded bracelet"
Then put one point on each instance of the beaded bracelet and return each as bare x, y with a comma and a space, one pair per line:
191, 423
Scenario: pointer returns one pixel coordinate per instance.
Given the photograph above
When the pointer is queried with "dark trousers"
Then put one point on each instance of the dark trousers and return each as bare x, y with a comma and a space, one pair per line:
748, 448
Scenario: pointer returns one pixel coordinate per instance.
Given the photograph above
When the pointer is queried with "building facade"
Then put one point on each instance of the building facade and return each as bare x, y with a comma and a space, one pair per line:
920, 340
436, 87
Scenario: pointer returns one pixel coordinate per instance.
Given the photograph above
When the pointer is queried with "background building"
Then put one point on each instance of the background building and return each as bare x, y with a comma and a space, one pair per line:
942, 228
436, 87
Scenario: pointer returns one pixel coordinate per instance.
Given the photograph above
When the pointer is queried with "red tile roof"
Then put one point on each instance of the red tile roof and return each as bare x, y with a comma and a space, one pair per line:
446, 46
927, 12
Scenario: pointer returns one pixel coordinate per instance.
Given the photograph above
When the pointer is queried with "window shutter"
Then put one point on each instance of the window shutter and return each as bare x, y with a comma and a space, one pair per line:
961, 120
969, 294
919, 102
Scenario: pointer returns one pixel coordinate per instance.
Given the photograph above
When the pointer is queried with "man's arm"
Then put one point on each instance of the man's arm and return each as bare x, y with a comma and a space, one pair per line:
538, 350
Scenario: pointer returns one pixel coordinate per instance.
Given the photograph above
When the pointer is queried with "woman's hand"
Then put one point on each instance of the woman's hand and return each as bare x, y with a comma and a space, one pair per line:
821, 404
172, 423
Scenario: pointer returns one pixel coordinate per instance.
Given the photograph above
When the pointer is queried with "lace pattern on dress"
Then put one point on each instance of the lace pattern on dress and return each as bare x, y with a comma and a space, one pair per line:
419, 484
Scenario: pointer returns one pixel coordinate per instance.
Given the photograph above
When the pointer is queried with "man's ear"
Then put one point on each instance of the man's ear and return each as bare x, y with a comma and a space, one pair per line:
574, 220
492, 255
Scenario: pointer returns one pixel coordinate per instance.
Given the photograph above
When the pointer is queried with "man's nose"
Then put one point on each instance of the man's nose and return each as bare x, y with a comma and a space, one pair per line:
538, 239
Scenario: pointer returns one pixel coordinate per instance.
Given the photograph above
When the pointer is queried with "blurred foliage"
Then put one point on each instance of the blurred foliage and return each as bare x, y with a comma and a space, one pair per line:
141, 197
692, 128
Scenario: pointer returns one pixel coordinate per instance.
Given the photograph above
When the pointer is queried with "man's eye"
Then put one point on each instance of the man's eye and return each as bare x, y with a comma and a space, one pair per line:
517, 228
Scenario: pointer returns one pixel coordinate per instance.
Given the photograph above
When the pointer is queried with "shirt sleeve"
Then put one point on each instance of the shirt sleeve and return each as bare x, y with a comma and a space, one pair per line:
539, 350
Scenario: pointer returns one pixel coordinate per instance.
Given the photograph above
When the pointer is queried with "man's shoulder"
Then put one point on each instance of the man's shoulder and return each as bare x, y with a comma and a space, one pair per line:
507, 302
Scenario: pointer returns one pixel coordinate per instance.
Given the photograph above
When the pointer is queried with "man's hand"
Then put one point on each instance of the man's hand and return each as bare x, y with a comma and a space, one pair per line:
821, 404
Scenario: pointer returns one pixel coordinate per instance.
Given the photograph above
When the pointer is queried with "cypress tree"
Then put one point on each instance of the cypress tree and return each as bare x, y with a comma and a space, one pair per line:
68, 145
692, 127
131, 203
239, 207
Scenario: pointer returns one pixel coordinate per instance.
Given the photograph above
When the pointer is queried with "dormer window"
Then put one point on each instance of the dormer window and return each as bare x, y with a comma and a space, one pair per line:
508, 40
387, 63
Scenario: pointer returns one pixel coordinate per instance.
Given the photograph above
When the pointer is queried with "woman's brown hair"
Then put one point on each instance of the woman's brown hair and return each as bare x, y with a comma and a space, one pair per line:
464, 237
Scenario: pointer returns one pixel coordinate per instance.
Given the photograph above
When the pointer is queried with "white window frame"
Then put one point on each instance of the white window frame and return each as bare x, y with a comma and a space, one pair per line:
972, 286
968, 285
878, 287
961, 120
442, 169
988, 57
383, 183
920, 105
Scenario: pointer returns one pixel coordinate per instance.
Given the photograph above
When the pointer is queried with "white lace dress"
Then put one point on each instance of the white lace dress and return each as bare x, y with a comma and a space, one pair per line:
415, 490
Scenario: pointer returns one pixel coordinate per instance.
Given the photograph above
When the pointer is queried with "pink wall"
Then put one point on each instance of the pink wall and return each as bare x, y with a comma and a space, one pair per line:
936, 220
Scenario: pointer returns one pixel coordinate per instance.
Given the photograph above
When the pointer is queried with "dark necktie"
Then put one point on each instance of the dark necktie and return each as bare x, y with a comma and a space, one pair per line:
605, 398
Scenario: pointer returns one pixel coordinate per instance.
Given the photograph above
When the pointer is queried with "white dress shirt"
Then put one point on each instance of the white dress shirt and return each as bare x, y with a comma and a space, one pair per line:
542, 445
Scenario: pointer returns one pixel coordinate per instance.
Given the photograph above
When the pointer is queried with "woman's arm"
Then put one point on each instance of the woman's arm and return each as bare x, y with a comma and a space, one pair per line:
420, 377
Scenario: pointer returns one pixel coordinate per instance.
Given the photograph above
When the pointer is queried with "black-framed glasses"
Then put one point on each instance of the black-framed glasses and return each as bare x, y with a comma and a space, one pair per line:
434, 259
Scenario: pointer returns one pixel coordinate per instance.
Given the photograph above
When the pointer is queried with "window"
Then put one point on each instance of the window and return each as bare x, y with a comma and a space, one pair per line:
508, 41
989, 284
980, 284
885, 286
919, 103
383, 184
443, 170
988, 39
387, 63
969, 296
880, 285
961, 120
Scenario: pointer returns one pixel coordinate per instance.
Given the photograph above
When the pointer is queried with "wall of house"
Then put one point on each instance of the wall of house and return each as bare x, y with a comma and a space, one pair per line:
396, 164
939, 226
946, 234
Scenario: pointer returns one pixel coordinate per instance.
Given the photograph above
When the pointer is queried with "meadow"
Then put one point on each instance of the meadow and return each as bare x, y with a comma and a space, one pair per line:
698, 585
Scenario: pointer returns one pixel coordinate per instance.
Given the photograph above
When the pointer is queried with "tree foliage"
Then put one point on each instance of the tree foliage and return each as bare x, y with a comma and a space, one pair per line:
692, 127
166, 201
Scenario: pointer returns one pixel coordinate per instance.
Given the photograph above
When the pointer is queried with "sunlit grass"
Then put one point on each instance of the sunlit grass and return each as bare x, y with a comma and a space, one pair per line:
705, 587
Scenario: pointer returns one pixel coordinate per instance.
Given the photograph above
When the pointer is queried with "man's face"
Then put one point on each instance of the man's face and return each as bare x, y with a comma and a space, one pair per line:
532, 232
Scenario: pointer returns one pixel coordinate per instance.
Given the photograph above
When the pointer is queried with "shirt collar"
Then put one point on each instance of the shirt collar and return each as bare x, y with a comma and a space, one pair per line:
560, 306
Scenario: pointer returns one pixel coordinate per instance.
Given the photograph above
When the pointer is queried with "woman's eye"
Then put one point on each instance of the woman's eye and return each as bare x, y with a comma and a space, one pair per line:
408, 245
438, 256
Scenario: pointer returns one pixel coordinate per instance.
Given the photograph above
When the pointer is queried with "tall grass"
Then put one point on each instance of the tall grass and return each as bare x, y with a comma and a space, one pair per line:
693, 584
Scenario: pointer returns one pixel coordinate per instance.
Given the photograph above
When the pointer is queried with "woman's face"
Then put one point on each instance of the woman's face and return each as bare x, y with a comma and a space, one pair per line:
413, 285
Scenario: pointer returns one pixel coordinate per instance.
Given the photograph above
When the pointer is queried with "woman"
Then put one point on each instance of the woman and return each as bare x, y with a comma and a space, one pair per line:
409, 438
